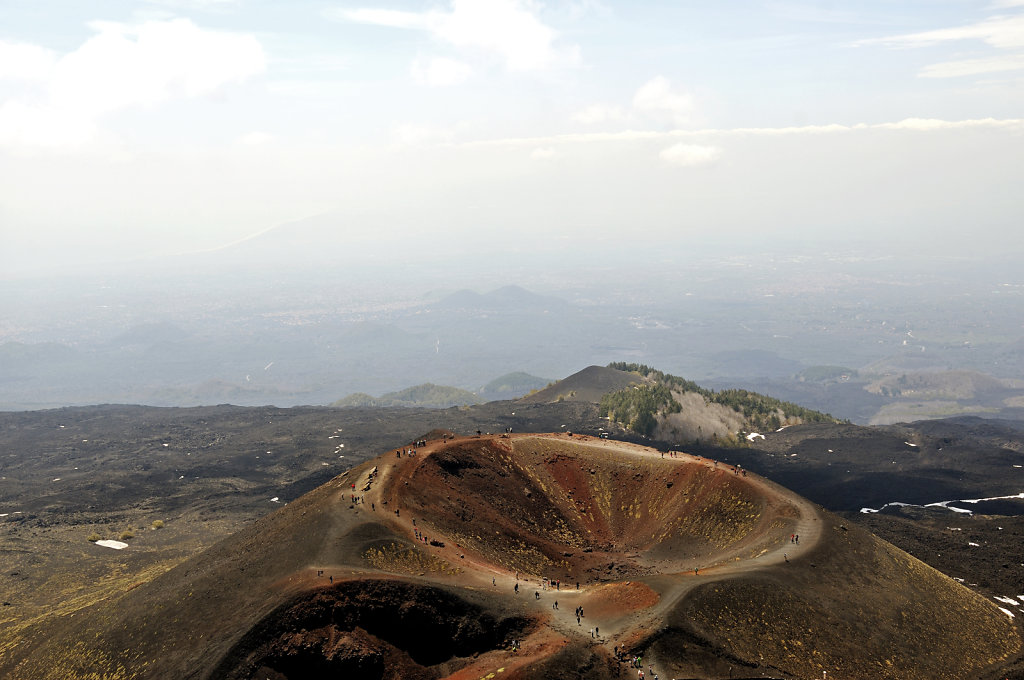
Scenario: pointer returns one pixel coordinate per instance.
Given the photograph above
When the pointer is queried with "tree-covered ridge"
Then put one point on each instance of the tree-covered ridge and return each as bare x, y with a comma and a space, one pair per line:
639, 408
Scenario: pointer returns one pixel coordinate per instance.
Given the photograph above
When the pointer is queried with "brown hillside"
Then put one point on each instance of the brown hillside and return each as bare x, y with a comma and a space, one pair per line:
438, 565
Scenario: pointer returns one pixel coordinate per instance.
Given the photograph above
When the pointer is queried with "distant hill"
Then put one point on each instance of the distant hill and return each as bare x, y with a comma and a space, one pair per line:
671, 408
588, 385
936, 385
512, 385
427, 394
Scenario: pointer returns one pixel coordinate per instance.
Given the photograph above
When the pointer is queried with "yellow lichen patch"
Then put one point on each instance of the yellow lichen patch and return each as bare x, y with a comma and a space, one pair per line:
402, 559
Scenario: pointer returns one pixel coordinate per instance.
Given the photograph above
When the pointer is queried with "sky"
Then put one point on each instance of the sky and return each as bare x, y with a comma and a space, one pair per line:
134, 129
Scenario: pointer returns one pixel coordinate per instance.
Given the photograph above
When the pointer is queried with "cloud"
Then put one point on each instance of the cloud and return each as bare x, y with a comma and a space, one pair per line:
922, 125
1003, 32
21, 61
656, 97
255, 138
654, 102
544, 153
440, 71
506, 30
409, 134
120, 67
972, 67
599, 113
690, 155
214, 5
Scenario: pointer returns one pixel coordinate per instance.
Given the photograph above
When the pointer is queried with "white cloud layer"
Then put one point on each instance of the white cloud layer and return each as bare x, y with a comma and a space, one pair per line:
120, 67
690, 155
1015, 125
504, 29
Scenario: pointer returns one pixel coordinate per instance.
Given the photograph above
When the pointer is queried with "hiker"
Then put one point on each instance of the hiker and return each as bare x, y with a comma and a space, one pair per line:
493, 583
517, 589
536, 595
597, 632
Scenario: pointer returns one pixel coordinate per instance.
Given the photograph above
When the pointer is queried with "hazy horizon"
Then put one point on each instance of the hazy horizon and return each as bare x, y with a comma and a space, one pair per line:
194, 190
149, 129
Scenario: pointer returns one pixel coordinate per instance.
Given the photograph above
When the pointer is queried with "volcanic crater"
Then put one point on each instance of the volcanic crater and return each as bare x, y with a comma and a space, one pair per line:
532, 556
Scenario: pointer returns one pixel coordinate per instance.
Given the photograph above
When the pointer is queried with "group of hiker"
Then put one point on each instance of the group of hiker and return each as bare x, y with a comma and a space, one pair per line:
622, 655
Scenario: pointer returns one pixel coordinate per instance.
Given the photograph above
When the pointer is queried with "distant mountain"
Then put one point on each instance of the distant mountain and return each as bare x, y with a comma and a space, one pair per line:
507, 298
588, 385
427, 394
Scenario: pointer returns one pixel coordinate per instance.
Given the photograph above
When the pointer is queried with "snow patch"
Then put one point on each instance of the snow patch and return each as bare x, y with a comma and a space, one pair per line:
116, 545
945, 504
974, 544
910, 444
754, 435
275, 499
1007, 600
895, 504
1007, 612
